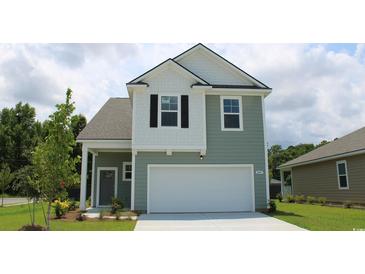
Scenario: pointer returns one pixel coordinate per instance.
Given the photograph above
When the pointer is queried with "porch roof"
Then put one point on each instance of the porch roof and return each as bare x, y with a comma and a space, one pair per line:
112, 122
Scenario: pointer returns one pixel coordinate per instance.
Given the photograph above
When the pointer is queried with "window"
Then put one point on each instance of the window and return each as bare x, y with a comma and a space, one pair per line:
127, 171
343, 182
231, 113
169, 111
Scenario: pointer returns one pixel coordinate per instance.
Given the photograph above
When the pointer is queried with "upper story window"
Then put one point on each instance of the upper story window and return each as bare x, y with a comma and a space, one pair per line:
231, 113
169, 111
343, 181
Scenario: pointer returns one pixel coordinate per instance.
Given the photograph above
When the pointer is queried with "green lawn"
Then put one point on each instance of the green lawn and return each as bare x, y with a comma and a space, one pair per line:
14, 217
324, 218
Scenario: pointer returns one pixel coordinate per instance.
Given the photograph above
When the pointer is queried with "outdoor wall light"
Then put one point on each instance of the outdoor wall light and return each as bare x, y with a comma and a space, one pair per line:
201, 157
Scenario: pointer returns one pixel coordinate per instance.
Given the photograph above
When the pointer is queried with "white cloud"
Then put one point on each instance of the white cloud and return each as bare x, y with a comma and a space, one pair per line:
318, 93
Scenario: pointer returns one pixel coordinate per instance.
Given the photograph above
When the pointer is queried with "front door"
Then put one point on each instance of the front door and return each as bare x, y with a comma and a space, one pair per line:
107, 185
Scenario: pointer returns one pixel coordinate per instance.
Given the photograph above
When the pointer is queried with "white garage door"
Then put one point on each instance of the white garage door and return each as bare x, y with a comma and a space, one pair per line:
200, 188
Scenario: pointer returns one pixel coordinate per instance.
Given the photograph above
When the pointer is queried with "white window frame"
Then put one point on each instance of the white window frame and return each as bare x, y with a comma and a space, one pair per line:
160, 111
239, 98
125, 171
99, 169
338, 175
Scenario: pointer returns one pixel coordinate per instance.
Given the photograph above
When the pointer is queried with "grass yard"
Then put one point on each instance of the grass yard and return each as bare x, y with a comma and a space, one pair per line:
14, 217
322, 218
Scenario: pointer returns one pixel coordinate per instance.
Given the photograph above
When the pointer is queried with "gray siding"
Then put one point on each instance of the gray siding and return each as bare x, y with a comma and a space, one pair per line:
115, 159
320, 180
223, 147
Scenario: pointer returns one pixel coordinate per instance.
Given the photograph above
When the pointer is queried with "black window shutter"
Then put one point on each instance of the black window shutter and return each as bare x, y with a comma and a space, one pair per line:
184, 111
153, 110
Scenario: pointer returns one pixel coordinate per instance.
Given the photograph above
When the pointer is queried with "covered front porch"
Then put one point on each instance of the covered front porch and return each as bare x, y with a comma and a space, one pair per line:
111, 173
286, 181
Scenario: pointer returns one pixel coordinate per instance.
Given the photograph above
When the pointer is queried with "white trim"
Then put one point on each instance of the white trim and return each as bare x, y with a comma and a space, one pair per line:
177, 111
266, 152
338, 175
98, 184
239, 98
124, 171
93, 180
161, 66
238, 92
83, 181
168, 147
348, 154
106, 144
197, 166
204, 122
133, 181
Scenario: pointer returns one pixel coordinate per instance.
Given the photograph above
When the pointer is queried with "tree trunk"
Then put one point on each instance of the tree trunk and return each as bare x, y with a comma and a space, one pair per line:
2, 196
30, 213
44, 213
34, 204
49, 216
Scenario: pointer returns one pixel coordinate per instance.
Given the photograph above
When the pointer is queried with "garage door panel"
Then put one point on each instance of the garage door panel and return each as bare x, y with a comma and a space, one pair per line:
200, 189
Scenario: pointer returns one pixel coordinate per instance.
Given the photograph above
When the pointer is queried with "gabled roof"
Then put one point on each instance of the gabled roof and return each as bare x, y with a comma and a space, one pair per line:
348, 144
164, 63
234, 67
112, 122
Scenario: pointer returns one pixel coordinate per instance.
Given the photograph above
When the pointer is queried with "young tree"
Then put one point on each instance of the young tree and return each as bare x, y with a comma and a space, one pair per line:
52, 160
6, 177
26, 185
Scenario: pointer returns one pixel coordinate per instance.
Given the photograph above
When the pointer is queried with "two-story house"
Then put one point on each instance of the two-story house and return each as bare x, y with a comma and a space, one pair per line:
190, 138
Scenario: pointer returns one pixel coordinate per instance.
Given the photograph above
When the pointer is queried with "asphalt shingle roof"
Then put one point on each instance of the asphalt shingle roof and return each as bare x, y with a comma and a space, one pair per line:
112, 122
352, 142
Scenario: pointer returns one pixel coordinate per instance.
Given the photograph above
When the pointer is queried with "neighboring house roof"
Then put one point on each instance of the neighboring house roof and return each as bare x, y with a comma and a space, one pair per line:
164, 63
353, 143
112, 122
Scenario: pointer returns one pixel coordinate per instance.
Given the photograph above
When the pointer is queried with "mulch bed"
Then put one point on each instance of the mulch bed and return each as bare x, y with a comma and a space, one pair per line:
32, 228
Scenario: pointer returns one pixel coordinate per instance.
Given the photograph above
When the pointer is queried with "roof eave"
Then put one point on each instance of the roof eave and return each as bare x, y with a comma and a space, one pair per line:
323, 159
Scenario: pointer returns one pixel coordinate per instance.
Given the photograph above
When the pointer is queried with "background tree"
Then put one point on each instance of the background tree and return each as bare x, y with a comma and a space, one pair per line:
52, 159
6, 177
19, 134
279, 156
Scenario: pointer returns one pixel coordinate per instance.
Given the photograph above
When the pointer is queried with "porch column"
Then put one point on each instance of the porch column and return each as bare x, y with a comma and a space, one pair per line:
83, 177
282, 181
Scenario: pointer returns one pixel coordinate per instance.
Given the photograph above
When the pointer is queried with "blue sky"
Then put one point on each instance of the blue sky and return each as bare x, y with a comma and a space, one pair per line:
318, 89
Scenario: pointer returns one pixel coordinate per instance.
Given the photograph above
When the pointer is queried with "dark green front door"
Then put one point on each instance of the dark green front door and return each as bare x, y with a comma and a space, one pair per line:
107, 187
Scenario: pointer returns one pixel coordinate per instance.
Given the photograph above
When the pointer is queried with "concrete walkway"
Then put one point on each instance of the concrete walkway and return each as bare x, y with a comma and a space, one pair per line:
245, 221
14, 201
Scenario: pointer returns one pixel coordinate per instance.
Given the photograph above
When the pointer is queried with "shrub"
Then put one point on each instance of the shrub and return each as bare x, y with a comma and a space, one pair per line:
88, 202
118, 214
60, 208
347, 204
289, 198
80, 217
299, 199
311, 199
272, 206
116, 205
102, 214
322, 200
73, 205
279, 197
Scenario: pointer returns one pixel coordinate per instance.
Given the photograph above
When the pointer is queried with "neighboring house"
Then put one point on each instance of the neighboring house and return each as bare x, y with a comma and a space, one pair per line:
335, 171
191, 138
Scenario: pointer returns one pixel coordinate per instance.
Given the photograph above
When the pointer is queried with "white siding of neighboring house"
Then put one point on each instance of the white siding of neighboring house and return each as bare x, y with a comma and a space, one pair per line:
169, 82
212, 70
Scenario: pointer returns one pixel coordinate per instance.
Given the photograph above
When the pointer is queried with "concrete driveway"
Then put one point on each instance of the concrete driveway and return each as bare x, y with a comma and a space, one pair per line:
245, 221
